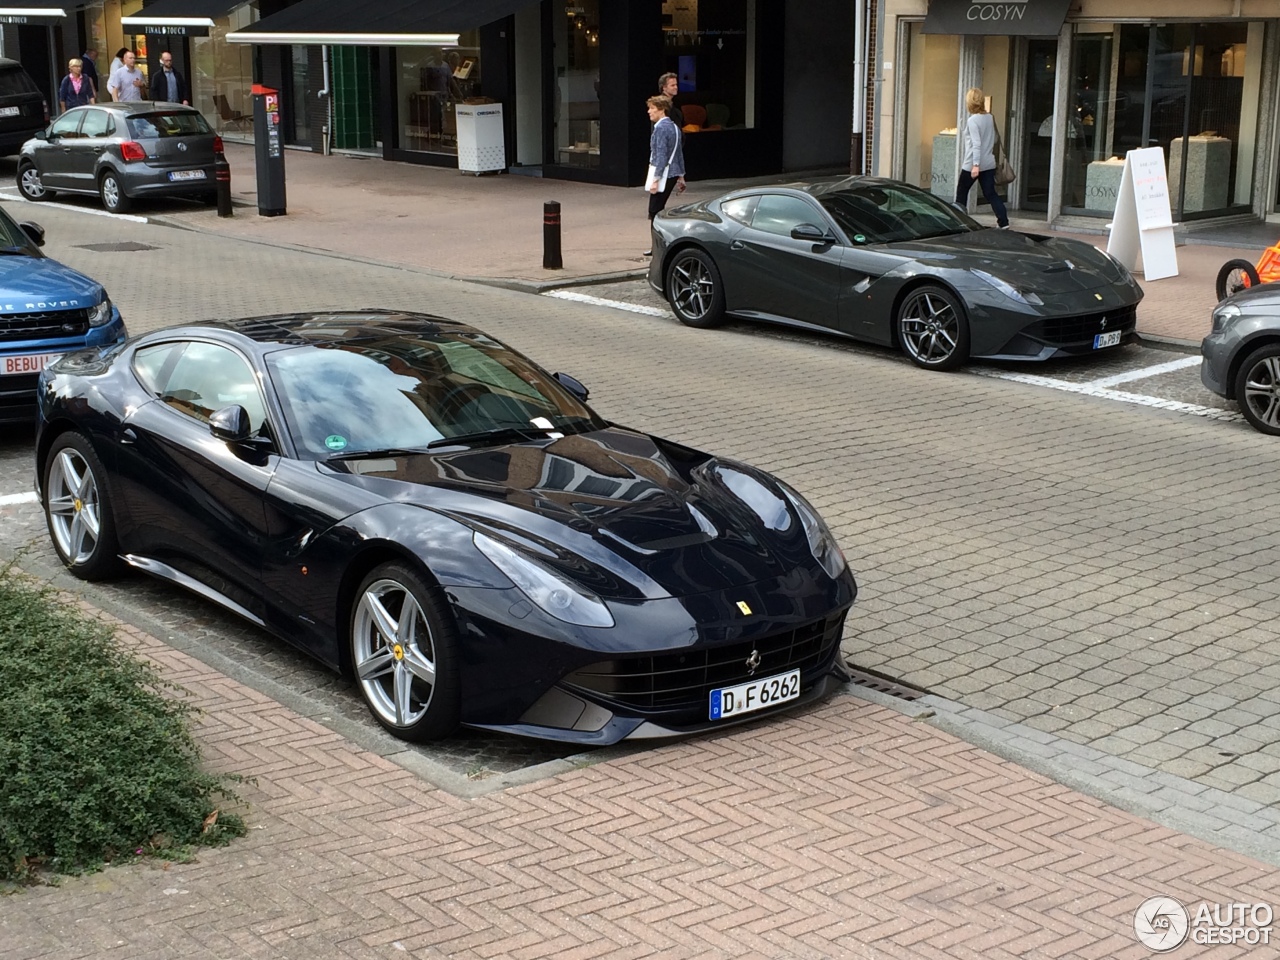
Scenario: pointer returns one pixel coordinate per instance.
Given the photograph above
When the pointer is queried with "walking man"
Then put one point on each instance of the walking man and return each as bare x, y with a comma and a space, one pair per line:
167, 83
127, 82
89, 68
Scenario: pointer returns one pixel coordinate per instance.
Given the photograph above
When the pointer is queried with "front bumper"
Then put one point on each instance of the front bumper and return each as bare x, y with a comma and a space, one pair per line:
18, 391
1063, 326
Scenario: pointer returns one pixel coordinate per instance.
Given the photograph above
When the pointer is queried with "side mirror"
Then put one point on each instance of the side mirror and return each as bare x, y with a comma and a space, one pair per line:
807, 231
41, 135
573, 385
34, 231
231, 424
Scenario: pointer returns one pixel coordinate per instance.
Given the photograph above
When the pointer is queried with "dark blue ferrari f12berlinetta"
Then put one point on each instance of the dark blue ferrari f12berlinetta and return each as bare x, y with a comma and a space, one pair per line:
430, 512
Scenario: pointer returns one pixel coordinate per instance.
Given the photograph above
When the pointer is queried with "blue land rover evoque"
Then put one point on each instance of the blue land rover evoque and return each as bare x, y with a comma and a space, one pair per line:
46, 310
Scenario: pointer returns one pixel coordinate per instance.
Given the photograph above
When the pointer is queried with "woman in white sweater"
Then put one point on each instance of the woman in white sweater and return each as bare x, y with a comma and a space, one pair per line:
979, 161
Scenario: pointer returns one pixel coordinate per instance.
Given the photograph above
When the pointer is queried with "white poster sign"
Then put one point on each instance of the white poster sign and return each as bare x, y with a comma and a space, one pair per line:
1143, 219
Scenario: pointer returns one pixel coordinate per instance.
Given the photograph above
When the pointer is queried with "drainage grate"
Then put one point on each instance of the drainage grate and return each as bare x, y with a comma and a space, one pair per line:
881, 684
119, 246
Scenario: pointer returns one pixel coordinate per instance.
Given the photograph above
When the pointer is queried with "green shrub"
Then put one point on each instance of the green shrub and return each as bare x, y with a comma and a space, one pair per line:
95, 763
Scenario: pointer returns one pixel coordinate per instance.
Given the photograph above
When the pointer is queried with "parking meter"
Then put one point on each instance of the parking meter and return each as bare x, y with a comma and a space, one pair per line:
268, 150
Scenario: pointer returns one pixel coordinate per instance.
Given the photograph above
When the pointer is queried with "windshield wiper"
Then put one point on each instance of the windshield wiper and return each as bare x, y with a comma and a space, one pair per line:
496, 435
374, 454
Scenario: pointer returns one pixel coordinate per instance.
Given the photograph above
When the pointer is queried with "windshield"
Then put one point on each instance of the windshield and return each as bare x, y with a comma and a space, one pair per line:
890, 212
408, 391
149, 126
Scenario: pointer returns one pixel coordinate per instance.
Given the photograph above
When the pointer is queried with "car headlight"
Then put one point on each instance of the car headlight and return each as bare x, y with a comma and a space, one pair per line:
100, 315
1223, 315
1008, 289
821, 541
548, 590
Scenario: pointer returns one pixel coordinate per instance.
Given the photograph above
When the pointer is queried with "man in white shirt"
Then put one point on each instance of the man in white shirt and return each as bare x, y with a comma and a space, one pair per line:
127, 82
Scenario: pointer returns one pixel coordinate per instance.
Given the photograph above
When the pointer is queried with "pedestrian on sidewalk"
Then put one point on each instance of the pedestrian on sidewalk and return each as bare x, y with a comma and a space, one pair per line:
89, 61
167, 83
979, 141
127, 82
666, 159
75, 89
669, 86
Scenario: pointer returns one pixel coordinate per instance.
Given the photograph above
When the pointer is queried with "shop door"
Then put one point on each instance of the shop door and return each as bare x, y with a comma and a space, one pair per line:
1037, 143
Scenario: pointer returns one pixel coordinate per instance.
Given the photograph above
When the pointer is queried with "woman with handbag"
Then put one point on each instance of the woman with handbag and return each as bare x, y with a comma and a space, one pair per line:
666, 158
979, 163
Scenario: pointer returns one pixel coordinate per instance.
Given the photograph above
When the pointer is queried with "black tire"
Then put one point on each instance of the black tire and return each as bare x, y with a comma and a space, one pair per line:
77, 509
694, 289
111, 190
1235, 275
409, 684
30, 184
1257, 389
932, 328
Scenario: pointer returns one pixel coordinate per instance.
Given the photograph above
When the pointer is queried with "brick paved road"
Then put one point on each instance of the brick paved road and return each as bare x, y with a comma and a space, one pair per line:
1099, 574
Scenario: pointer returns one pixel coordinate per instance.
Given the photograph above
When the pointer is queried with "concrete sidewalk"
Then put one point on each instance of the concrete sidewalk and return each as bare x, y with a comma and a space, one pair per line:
847, 830
490, 228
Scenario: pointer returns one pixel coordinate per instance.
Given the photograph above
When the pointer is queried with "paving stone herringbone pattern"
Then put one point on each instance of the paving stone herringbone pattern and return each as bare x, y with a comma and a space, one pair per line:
844, 831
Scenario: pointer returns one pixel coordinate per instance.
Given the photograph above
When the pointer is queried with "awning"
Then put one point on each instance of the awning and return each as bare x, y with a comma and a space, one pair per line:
32, 14
997, 18
179, 18
392, 23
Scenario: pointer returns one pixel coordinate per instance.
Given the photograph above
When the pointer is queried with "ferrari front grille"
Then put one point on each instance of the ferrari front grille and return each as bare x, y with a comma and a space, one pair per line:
49, 325
1066, 331
682, 682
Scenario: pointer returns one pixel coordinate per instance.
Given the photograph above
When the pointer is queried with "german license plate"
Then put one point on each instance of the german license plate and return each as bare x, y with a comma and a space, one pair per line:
1109, 339
26, 363
9, 111
187, 175
756, 695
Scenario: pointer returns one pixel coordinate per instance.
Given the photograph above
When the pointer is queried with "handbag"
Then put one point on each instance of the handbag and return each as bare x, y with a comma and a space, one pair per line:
1005, 174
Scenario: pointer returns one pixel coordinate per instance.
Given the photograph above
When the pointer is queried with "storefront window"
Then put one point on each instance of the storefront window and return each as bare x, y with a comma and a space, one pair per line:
1191, 89
431, 81
222, 74
930, 150
711, 48
577, 59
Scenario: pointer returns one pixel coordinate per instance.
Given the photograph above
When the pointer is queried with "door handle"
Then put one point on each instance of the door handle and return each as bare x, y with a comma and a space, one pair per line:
128, 435
737, 245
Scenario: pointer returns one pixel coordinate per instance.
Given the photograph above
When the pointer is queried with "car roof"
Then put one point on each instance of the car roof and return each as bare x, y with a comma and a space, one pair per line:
8, 64
140, 106
339, 326
819, 186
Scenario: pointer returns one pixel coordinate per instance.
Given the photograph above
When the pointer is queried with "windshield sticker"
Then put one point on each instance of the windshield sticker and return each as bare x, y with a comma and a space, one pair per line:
335, 442
859, 238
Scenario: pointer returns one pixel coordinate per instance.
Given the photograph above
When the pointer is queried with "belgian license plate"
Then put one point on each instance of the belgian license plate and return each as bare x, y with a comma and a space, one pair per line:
9, 111
187, 175
1109, 339
756, 695
26, 363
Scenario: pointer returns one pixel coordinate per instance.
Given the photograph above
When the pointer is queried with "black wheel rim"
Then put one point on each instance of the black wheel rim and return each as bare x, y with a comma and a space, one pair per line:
930, 328
692, 288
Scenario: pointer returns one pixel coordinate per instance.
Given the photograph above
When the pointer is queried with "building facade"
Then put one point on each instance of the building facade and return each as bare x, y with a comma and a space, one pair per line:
1074, 84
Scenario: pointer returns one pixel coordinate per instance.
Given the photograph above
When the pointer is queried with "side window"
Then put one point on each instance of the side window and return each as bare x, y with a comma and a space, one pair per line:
780, 215
97, 123
67, 125
208, 377
739, 209
149, 365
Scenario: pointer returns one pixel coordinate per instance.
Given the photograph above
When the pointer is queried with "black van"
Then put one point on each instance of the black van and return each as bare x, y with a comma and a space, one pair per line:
23, 108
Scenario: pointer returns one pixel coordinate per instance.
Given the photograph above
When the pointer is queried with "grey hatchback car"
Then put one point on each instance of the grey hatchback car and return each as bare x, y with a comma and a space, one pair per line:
1242, 355
122, 152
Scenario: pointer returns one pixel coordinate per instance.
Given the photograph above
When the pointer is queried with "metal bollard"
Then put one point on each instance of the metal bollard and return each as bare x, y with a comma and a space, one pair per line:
551, 258
222, 180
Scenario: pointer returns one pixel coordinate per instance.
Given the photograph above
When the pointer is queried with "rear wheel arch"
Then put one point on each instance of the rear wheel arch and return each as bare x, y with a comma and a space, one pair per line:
673, 251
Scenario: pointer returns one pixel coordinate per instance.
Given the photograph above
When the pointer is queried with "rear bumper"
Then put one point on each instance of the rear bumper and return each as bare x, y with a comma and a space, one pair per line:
146, 180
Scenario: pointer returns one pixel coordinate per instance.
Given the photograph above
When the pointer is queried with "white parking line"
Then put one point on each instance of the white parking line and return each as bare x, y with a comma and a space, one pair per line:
1153, 371
9, 499
13, 196
602, 302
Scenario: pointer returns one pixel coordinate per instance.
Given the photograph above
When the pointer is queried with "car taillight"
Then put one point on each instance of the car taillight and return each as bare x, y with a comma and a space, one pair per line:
46, 111
132, 151
217, 144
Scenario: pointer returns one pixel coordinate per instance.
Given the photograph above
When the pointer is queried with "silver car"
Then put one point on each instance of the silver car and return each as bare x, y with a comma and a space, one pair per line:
1242, 355
122, 152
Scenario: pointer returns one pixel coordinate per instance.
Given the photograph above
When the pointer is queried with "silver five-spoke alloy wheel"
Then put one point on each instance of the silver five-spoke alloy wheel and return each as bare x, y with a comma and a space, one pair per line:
1258, 392
933, 331
75, 507
393, 653
692, 287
